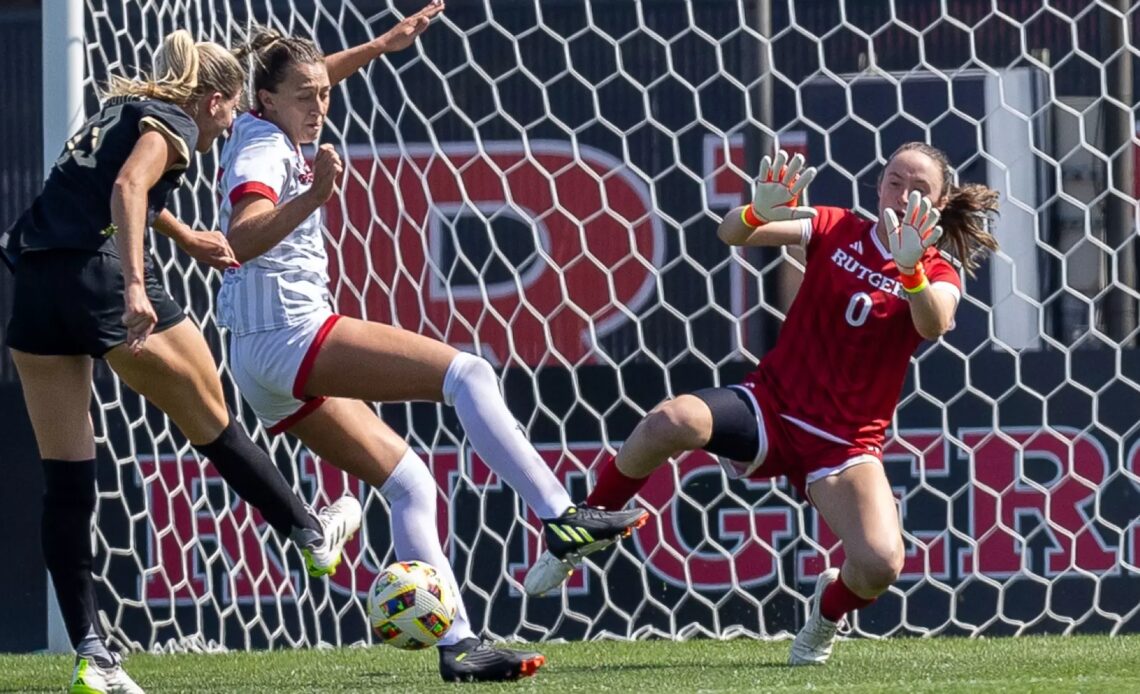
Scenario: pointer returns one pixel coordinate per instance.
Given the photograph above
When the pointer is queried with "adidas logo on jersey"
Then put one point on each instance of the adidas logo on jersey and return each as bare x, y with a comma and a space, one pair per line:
857, 246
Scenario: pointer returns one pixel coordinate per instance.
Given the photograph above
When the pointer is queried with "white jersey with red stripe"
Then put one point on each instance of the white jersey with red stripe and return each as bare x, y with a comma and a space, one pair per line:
845, 347
282, 286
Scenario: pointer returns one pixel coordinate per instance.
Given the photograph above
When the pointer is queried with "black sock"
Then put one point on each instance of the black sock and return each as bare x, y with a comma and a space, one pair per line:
69, 506
250, 472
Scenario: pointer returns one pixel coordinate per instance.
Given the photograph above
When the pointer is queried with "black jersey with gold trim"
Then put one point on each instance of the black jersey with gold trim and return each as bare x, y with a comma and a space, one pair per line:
73, 211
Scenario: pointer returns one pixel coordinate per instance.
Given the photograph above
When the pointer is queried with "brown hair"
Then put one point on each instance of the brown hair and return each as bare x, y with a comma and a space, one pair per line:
970, 210
184, 71
270, 53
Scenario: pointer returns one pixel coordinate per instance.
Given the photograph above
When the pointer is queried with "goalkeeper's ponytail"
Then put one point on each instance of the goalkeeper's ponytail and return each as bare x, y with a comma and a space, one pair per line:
968, 215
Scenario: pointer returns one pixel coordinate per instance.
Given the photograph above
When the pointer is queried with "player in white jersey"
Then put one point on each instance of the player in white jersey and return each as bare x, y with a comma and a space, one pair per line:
306, 370
288, 283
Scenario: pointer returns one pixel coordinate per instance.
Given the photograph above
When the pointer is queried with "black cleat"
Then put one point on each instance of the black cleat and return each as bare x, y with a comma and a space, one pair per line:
473, 660
580, 531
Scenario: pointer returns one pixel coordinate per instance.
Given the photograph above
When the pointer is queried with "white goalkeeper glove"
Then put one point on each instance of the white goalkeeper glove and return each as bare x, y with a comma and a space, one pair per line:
917, 232
778, 190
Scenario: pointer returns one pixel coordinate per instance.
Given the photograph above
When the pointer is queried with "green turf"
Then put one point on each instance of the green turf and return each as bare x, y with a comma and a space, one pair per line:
1031, 664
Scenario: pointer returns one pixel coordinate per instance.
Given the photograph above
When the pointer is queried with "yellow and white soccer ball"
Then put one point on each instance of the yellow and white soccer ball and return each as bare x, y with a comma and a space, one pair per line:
410, 606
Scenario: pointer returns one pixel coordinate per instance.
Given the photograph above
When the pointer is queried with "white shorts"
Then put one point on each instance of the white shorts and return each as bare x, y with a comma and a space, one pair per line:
271, 367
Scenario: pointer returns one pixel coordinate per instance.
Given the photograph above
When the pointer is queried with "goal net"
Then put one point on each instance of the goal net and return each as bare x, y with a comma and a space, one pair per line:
540, 182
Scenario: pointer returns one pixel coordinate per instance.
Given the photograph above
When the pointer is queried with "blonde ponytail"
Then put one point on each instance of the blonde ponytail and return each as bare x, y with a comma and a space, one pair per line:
175, 76
184, 70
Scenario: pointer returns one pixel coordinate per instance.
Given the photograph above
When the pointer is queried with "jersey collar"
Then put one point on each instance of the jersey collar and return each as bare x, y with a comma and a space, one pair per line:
257, 114
879, 244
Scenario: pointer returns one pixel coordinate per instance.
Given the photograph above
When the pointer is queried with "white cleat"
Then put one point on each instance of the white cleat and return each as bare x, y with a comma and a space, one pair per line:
814, 642
548, 573
339, 521
91, 678
580, 531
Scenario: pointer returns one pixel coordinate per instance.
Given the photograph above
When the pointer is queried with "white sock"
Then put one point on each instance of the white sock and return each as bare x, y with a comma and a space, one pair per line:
473, 389
410, 491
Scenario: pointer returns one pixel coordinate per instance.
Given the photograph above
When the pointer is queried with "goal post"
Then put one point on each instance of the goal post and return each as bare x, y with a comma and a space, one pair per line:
540, 181
63, 113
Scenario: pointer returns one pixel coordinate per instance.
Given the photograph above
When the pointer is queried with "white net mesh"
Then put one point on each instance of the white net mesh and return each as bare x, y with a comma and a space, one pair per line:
540, 182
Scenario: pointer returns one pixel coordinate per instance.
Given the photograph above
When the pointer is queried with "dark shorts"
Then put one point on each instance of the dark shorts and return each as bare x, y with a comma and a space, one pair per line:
774, 444
69, 302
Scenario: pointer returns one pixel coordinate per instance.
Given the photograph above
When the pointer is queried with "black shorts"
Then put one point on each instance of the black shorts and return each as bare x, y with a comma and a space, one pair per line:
736, 429
68, 302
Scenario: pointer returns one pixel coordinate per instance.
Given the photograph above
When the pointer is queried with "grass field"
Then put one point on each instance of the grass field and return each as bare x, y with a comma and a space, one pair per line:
1032, 664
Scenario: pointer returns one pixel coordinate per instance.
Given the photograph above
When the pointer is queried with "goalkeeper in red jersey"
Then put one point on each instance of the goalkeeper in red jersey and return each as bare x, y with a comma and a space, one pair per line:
816, 409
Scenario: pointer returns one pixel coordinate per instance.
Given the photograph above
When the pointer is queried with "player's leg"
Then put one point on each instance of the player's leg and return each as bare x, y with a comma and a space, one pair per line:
391, 364
723, 421
859, 507
394, 365
57, 392
349, 435
176, 372
675, 426
52, 333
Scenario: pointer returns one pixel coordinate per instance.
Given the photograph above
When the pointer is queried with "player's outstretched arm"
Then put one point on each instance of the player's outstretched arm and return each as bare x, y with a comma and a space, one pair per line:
932, 307
207, 247
735, 232
774, 218
932, 311
341, 65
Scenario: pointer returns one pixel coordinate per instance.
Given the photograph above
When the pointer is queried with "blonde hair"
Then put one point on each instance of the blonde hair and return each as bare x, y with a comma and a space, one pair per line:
969, 212
183, 71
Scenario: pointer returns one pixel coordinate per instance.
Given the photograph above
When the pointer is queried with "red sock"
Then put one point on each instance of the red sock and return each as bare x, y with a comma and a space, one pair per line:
838, 600
614, 489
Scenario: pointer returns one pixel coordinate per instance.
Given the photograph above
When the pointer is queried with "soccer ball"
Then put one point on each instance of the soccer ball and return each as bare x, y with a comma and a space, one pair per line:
410, 606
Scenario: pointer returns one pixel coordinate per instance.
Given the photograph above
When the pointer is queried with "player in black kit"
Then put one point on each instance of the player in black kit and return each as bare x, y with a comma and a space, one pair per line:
85, 287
